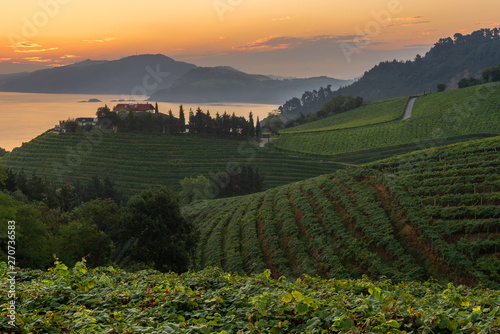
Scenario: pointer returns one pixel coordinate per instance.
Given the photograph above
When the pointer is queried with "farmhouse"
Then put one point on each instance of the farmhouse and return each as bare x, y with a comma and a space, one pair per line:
136, 107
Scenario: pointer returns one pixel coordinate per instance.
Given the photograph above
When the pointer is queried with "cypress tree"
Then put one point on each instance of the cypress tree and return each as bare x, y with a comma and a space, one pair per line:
182, 119
252, 126
258, 130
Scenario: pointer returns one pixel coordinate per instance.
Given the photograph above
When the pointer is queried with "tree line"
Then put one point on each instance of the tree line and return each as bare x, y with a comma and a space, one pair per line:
310, 102
455, 54
491, 74
246, 180
146, 232
223, 126
336, 105
92, 220
199, 122
33, 188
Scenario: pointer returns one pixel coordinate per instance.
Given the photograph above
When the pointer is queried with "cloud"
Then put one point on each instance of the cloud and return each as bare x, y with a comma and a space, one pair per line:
282, 18
69, 56
26, 44
413, 23
103, 40
405, 21
38, 59
495, 25
36, 50
275, 42
4, 59
427, 33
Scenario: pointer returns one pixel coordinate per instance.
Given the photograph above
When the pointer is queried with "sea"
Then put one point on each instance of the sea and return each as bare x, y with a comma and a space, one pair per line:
23, 116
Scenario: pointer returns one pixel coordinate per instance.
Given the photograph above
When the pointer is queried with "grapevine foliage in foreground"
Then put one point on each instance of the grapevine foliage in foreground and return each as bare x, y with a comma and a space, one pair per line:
106, 300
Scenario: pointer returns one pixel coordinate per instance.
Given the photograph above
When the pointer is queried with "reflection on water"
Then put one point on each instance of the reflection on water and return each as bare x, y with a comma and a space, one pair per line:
24, 116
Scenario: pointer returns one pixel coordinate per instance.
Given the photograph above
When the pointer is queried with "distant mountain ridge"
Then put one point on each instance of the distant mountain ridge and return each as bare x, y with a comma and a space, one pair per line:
446, 62
164, 79
134, 75
215, 84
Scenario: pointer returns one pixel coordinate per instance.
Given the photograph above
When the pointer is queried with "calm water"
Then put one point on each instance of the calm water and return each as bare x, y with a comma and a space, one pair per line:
24, 116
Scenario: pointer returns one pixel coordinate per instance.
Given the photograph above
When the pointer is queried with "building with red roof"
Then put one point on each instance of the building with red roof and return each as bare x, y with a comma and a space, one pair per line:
136, 107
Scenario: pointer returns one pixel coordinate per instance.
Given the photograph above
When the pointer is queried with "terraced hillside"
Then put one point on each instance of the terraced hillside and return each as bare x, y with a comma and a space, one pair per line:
372, 113
469, 112
432, 213
136, 161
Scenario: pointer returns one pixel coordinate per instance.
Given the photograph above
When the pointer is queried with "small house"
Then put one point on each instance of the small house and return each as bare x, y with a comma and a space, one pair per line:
135, 107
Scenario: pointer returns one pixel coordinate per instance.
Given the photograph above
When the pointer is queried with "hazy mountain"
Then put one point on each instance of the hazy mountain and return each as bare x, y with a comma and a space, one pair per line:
225, 84
88, 62
447, 62
139, 75
6, 77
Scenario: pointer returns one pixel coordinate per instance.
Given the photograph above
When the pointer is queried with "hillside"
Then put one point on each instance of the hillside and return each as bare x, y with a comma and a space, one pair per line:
437, 117
447, 62
225, 84
123, 76
431, 213
372, 113
108, 300
138, 161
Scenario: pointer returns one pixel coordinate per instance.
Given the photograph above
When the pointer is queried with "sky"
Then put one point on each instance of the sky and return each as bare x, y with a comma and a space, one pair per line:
292, 38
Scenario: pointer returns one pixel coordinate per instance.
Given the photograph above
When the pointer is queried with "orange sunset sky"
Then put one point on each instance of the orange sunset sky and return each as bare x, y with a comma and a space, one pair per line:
289, 38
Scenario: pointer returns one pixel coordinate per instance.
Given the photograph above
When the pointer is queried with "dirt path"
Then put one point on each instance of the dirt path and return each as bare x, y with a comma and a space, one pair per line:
264, 141
409, 108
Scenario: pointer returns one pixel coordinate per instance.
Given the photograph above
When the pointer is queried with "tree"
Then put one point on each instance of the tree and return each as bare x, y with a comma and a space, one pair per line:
441, 87
78, 239
156, 107
462, 83
105, 112
70, 125
9, 180
131, 121
491, 74
273, 122
90, 232
32, 246
195, 189
252, 126
2, 152
109, 190
3, 177
68, 198
258, 130
155, 233
182, 119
